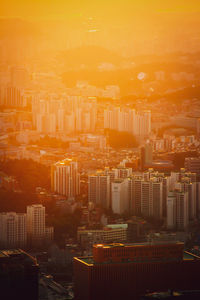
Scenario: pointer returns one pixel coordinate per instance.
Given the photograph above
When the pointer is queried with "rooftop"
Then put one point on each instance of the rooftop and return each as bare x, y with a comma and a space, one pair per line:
19, 254
89, 261
152, 243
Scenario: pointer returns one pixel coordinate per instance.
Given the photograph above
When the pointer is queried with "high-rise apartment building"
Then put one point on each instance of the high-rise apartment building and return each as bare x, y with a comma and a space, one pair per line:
13, 230
120, 196
36, 224
160, 177
13, 96
65, 178
171, 210
99, 189
192, 164
146, 155
135, 192
137, 123
182, 210
151, 198
191, 189
71, 114
46, 123
177, 210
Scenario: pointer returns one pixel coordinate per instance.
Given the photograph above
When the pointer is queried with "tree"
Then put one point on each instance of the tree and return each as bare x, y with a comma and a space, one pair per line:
117, 139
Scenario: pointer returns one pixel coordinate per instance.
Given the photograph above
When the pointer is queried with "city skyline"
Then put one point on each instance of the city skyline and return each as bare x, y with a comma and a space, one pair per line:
99, 149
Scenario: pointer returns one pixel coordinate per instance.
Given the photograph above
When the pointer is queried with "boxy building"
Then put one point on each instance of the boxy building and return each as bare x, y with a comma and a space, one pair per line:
127, 271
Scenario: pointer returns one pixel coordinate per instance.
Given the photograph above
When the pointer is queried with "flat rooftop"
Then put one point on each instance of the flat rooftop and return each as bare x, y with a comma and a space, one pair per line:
89, 261
156, 243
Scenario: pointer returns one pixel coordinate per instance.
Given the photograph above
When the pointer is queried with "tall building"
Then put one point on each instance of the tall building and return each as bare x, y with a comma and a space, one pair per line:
182, 210
46, 123
182, 176
99, 189
146, 156
19, 275
120, 197
65, 179
192, 164
177, 210
191, 189
128, 120
13, 230
151, 198
123, 172
13, 96
120, 271
171, 210
69, 123
111, 118
142, 124
36, 233
135, 192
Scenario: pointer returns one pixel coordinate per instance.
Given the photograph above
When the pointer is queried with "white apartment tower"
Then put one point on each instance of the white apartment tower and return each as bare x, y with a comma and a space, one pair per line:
65, 179
120, 197
128, 120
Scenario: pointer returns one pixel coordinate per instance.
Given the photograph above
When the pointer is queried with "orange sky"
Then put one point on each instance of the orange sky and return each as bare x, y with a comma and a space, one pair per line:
66, 9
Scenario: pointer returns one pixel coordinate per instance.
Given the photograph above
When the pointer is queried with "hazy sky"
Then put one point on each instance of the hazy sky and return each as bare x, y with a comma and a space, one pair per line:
64, 9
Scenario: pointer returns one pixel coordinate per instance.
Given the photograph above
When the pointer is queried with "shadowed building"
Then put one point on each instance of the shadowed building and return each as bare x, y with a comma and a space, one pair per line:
18, 275
127, 271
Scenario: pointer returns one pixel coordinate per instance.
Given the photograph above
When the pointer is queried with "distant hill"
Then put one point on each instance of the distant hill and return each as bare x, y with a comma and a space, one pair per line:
89, 56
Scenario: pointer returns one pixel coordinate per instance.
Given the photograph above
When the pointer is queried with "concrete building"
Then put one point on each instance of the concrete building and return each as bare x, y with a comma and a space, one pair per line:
65, 178
151, 198
135, 192
36, 224
177, 210
192, 164
120, 196
146, 155
110, 233
13, 96
13, 230
138, 123
191, 189
120, 271
171, 210
99, 189
19, 275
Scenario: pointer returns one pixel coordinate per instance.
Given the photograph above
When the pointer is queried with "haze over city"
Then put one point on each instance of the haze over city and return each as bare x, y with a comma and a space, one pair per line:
99, 149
